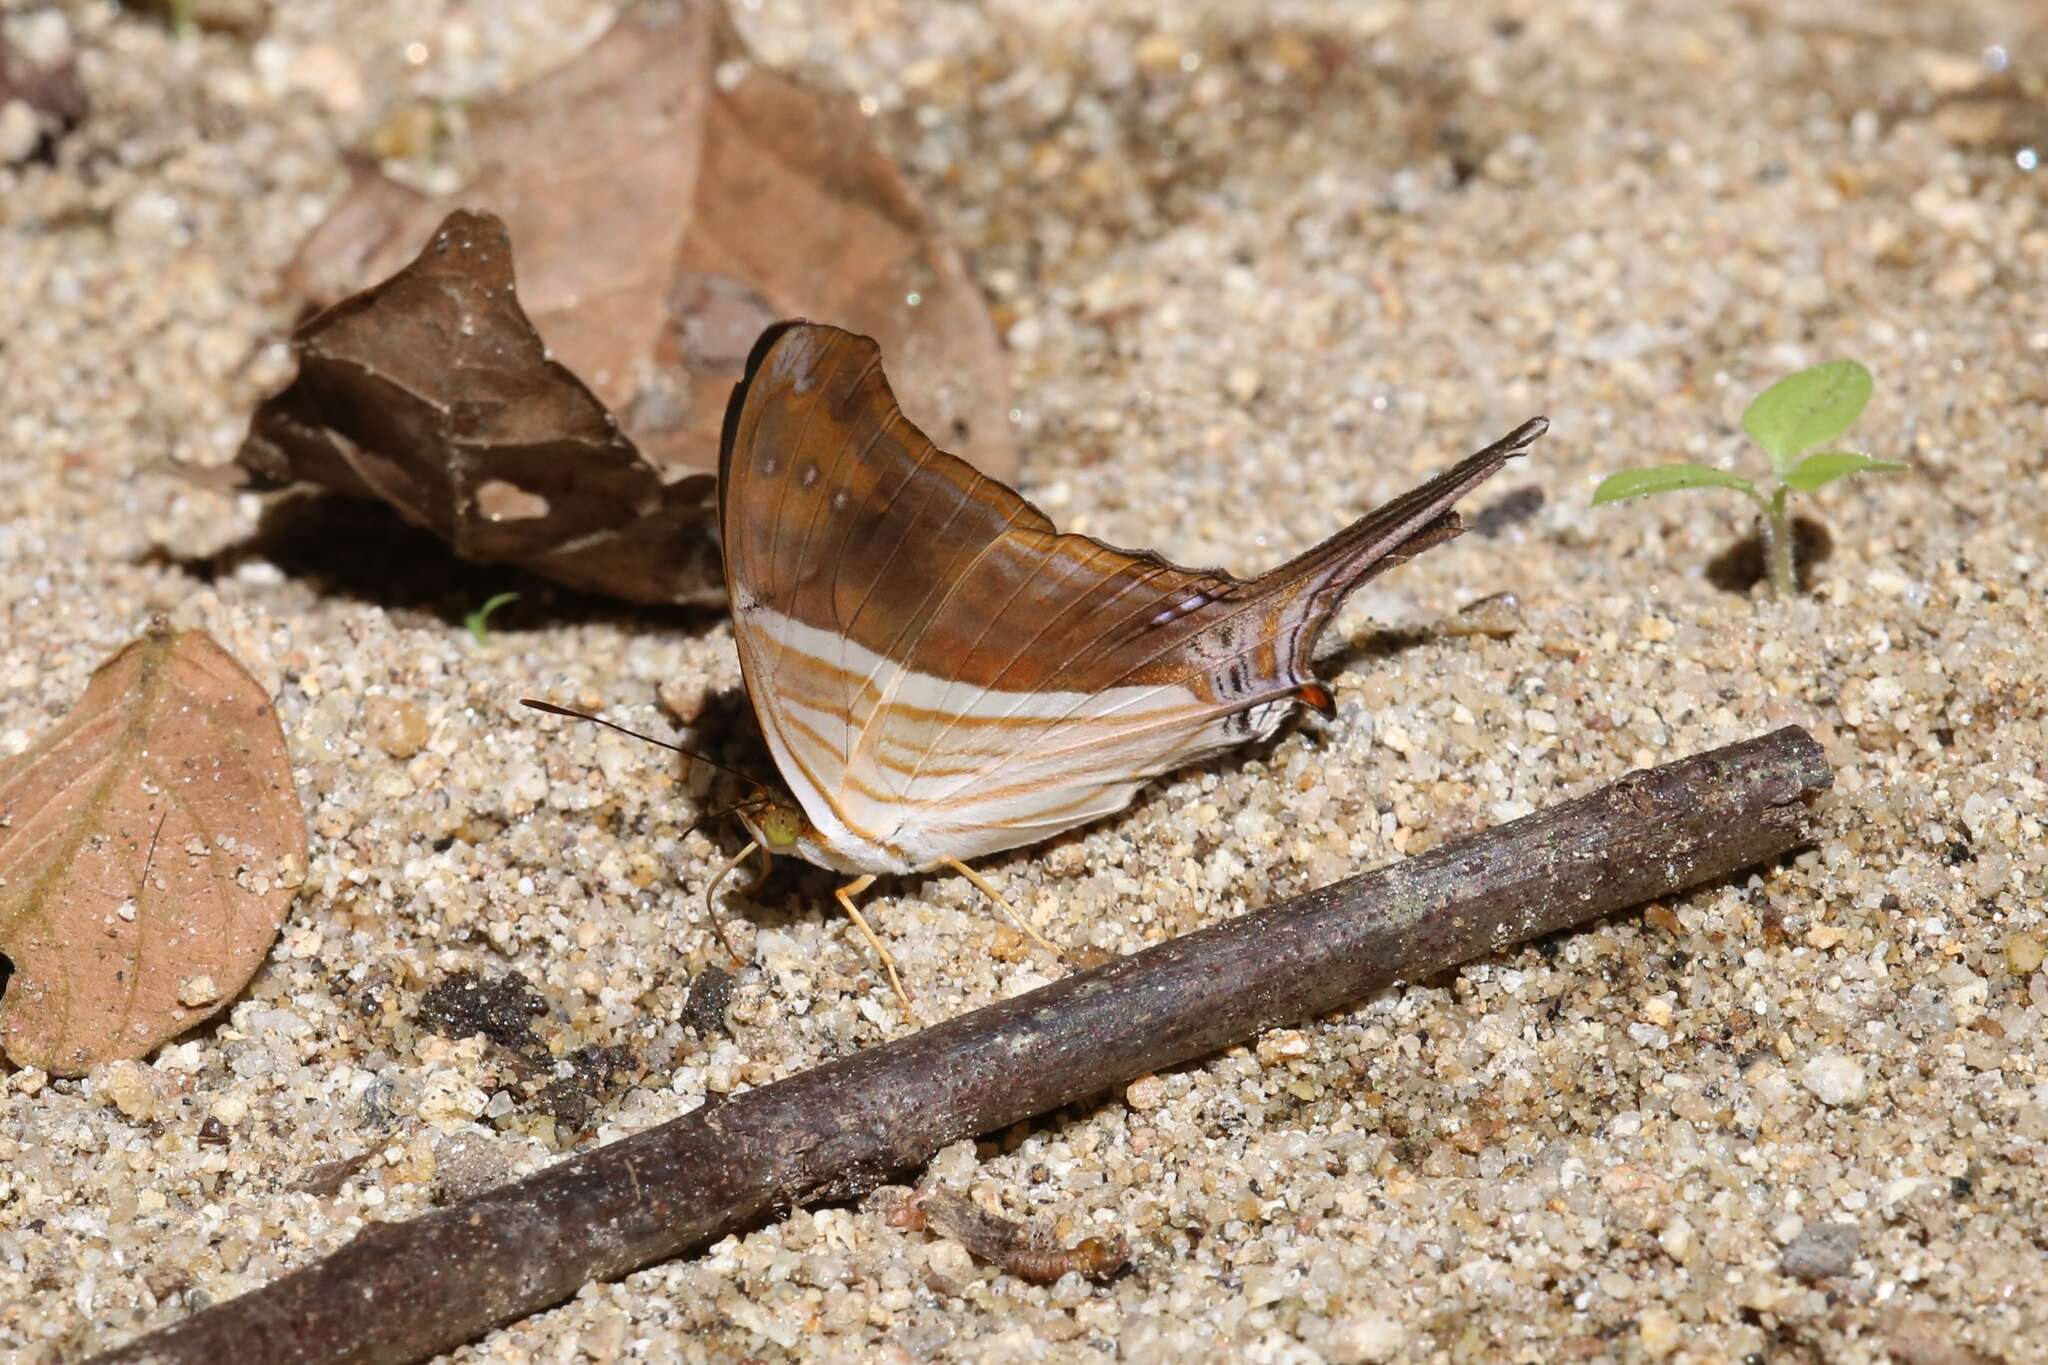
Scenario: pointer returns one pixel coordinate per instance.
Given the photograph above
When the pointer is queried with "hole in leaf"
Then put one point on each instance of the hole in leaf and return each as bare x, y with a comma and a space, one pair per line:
1740, 567
6, 973
499, 500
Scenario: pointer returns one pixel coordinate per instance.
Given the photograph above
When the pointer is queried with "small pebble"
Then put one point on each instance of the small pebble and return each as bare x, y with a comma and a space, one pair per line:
1282, 1046
131, 1087
195, 991
407, 131
1498, 617
950, 1259
1369, 1338
2024, 952
1676, 1239
468, 1163
1834, 1080
1659, 1332
1145, 1094
1821, 1251
20, 132
395, 725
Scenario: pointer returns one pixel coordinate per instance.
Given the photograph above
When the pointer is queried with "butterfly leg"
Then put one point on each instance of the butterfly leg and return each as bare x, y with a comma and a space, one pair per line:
845, 895
987, 888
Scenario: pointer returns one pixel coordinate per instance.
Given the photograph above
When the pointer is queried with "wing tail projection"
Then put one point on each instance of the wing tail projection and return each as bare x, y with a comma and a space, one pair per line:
1302, 595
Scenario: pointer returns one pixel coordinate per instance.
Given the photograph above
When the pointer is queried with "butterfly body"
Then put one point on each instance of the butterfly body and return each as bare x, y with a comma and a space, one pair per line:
941, 675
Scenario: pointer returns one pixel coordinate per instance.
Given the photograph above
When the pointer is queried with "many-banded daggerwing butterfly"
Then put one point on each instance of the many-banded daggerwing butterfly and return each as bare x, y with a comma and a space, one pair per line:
941, 675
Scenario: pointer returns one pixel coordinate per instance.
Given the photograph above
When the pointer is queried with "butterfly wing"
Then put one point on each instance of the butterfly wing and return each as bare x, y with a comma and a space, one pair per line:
938, 672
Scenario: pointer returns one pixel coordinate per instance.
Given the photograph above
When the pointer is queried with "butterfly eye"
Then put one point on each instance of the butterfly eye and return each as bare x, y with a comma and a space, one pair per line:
779, 827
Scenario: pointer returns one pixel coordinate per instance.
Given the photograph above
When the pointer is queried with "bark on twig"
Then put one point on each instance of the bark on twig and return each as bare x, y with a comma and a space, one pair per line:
402, 1291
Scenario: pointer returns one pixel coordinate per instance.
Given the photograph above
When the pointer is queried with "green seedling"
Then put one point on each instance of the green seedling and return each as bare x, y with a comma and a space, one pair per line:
1791, 417
479, 621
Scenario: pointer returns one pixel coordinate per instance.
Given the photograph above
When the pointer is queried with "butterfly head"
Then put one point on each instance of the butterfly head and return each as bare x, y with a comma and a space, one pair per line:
772, 819
777, 824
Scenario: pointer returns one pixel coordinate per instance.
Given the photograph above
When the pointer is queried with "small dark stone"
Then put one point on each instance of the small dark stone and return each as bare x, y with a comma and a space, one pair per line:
594, 1073
212, 1132
501, 1009
570, 1106
1961, 1187
1821, 1251
710, 995
376, 1114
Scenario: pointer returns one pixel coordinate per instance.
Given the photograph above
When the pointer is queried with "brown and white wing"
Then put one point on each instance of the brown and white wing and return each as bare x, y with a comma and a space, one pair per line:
938, 672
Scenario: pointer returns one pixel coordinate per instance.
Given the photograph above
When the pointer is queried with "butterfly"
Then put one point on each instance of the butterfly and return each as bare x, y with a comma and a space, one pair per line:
940, 674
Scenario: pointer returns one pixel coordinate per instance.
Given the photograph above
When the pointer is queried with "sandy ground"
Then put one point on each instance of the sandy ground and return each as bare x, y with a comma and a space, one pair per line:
1258, 267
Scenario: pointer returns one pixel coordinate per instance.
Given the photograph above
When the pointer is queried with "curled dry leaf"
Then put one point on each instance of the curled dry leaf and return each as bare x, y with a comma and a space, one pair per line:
149, 847
433, 392
668, 198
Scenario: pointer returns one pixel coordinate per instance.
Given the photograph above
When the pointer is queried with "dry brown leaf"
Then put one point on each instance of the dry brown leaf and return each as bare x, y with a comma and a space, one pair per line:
800, 214
149, 847
669, 198
592, 168
433, 392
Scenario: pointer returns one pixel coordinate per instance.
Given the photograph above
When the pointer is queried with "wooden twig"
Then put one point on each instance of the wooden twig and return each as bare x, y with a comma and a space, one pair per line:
402, 1291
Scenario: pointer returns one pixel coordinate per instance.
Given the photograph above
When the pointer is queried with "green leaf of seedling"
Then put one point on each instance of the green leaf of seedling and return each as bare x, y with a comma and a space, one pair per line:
1666, 478
1802, 410
479, 621
1817, 471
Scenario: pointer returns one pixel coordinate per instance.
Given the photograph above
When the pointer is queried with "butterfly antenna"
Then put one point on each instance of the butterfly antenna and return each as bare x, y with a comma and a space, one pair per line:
708, 816
553, 710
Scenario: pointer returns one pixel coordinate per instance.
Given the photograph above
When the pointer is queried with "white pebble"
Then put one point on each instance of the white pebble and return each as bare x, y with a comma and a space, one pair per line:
1835, 1081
